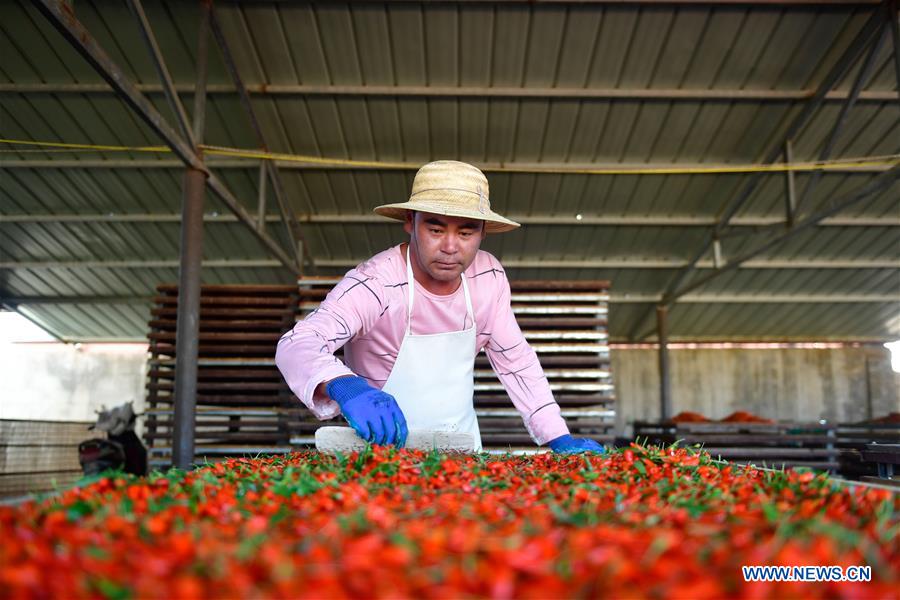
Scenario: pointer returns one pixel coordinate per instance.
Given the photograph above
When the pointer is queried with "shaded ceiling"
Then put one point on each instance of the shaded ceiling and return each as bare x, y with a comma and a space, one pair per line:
518, 87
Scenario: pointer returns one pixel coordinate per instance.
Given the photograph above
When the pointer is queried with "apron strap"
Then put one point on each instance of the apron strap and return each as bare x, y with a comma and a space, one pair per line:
410, 284
469, 310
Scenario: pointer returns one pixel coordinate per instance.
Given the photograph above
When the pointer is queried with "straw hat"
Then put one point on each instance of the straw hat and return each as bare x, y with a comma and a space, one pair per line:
452, 188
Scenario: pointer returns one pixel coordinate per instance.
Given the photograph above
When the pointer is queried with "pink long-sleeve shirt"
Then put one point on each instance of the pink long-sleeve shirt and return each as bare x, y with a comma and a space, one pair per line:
366, 313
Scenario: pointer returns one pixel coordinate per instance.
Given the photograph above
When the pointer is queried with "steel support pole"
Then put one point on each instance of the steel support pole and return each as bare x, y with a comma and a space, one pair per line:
188, 319
665, 384
187, 330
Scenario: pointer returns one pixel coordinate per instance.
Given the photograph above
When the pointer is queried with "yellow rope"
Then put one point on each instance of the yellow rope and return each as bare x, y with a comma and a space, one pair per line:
299, 158
846, 163
94, 147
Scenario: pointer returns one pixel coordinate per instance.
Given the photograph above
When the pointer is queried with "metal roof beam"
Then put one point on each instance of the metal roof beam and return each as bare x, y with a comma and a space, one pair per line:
60, 15
790, 186
614, 299
544, 220
513, 167
632, 2
604, 263
421, 91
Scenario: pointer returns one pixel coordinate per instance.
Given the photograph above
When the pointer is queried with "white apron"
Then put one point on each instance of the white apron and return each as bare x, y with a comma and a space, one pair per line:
433, 379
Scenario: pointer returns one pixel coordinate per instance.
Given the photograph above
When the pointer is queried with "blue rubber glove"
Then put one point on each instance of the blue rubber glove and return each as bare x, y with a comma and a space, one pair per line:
373, 414
566, 444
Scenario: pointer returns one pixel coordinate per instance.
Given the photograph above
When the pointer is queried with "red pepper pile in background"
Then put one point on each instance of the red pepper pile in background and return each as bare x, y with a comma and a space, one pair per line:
687, 416
739, 416
638, 522
893, 417
742, 416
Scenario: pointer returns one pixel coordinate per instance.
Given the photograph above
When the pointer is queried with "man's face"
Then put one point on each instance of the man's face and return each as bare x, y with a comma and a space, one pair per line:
444, 246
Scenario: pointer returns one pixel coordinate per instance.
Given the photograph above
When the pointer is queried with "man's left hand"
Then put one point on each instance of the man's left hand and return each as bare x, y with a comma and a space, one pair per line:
566, 444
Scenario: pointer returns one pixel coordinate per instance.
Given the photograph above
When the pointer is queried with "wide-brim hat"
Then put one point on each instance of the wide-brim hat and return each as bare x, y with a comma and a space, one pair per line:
451, 188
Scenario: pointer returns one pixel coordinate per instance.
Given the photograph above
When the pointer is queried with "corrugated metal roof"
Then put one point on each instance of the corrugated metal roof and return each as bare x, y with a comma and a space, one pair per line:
475, 48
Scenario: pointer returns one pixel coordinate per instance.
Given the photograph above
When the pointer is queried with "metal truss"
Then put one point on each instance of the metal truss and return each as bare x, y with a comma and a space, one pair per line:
869, 36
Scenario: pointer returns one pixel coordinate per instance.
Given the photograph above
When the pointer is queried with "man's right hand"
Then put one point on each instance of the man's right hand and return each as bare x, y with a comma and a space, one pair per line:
374, 415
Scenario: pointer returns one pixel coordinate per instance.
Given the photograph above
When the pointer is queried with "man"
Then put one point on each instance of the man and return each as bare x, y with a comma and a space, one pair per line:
412, 319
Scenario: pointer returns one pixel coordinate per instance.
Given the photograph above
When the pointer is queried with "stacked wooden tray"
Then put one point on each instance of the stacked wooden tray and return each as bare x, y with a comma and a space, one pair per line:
785, 444
852, 440
39, 456
886, 458
243, 404
566, 324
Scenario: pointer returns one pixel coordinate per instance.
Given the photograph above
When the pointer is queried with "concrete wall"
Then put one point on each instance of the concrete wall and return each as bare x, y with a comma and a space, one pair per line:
69, 382
842, 384
64, 382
